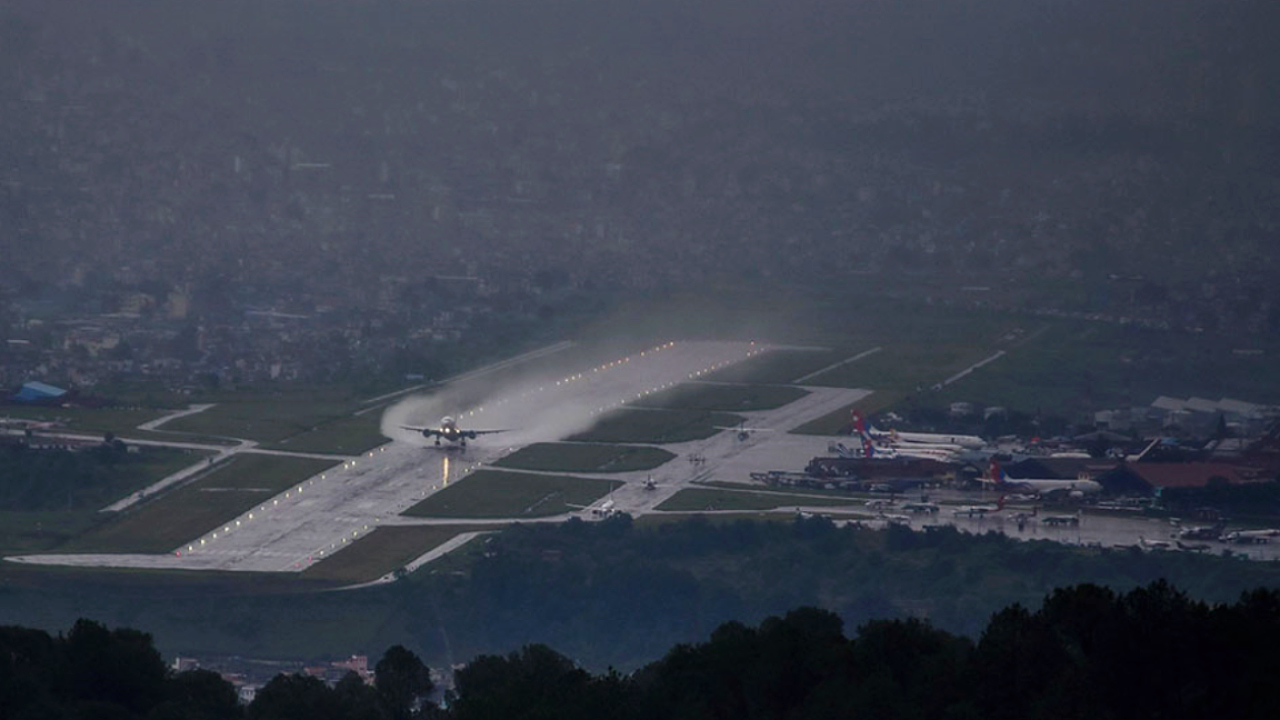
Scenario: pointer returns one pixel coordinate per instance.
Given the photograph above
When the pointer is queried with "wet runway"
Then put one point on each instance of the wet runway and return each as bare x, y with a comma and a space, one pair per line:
331, 510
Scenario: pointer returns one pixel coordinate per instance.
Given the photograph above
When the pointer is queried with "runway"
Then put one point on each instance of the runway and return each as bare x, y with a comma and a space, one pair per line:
334, 509
329, 511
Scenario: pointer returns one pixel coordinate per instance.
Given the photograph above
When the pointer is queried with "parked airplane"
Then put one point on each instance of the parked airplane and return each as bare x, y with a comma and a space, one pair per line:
1202, 532
964, 441
744, 432
1193, 547
1060, 520
1251, 537
978, 510
605, 509
895, 518
870, 449
450, 431
997, 477
1154, 544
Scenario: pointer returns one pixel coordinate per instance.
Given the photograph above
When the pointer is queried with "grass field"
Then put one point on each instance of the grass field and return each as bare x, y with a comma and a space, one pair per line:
1076, 367
156, 464
840, 422
856, 497
699, 499
778, 366
903, 368
499, 494
347, 435
196, 508
384, 550
585, 458
729, 398
122, 422
270, 417
42, 531
656, 426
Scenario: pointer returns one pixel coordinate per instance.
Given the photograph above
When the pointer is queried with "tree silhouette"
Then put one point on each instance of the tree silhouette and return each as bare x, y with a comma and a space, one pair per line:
402, 680
295, 697
198, 695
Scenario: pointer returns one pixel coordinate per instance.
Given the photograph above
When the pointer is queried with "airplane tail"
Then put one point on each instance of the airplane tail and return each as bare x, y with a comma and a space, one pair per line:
859, 424
995, 473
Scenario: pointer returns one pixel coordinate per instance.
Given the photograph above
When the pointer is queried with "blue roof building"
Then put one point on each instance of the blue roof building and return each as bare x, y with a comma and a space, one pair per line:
38, 392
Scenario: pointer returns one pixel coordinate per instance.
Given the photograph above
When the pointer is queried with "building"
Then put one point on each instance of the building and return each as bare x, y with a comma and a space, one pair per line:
1152, 478
38, 392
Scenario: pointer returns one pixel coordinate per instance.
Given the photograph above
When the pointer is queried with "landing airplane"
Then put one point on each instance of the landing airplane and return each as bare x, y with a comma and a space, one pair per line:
450, 431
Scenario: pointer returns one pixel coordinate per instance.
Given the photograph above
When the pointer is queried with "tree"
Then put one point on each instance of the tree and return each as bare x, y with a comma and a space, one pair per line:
357, 699
402, 680
198, 695
295, 697
536, 682
113, 667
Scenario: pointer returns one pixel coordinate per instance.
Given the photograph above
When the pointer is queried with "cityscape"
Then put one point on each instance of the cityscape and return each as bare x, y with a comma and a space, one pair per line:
434, 359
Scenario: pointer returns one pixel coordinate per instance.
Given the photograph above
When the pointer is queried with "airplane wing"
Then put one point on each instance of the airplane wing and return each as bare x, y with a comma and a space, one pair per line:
426, 431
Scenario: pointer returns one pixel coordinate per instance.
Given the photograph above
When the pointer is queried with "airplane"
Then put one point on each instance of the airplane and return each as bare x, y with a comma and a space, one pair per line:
1202, 532
895, 518
921, 507
1060, 520
450, 431
964, 441
1154, 544
871, 450
978, 510
608, 508
997, 477
744, 432
650, 484
1251, 537
1193, 547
